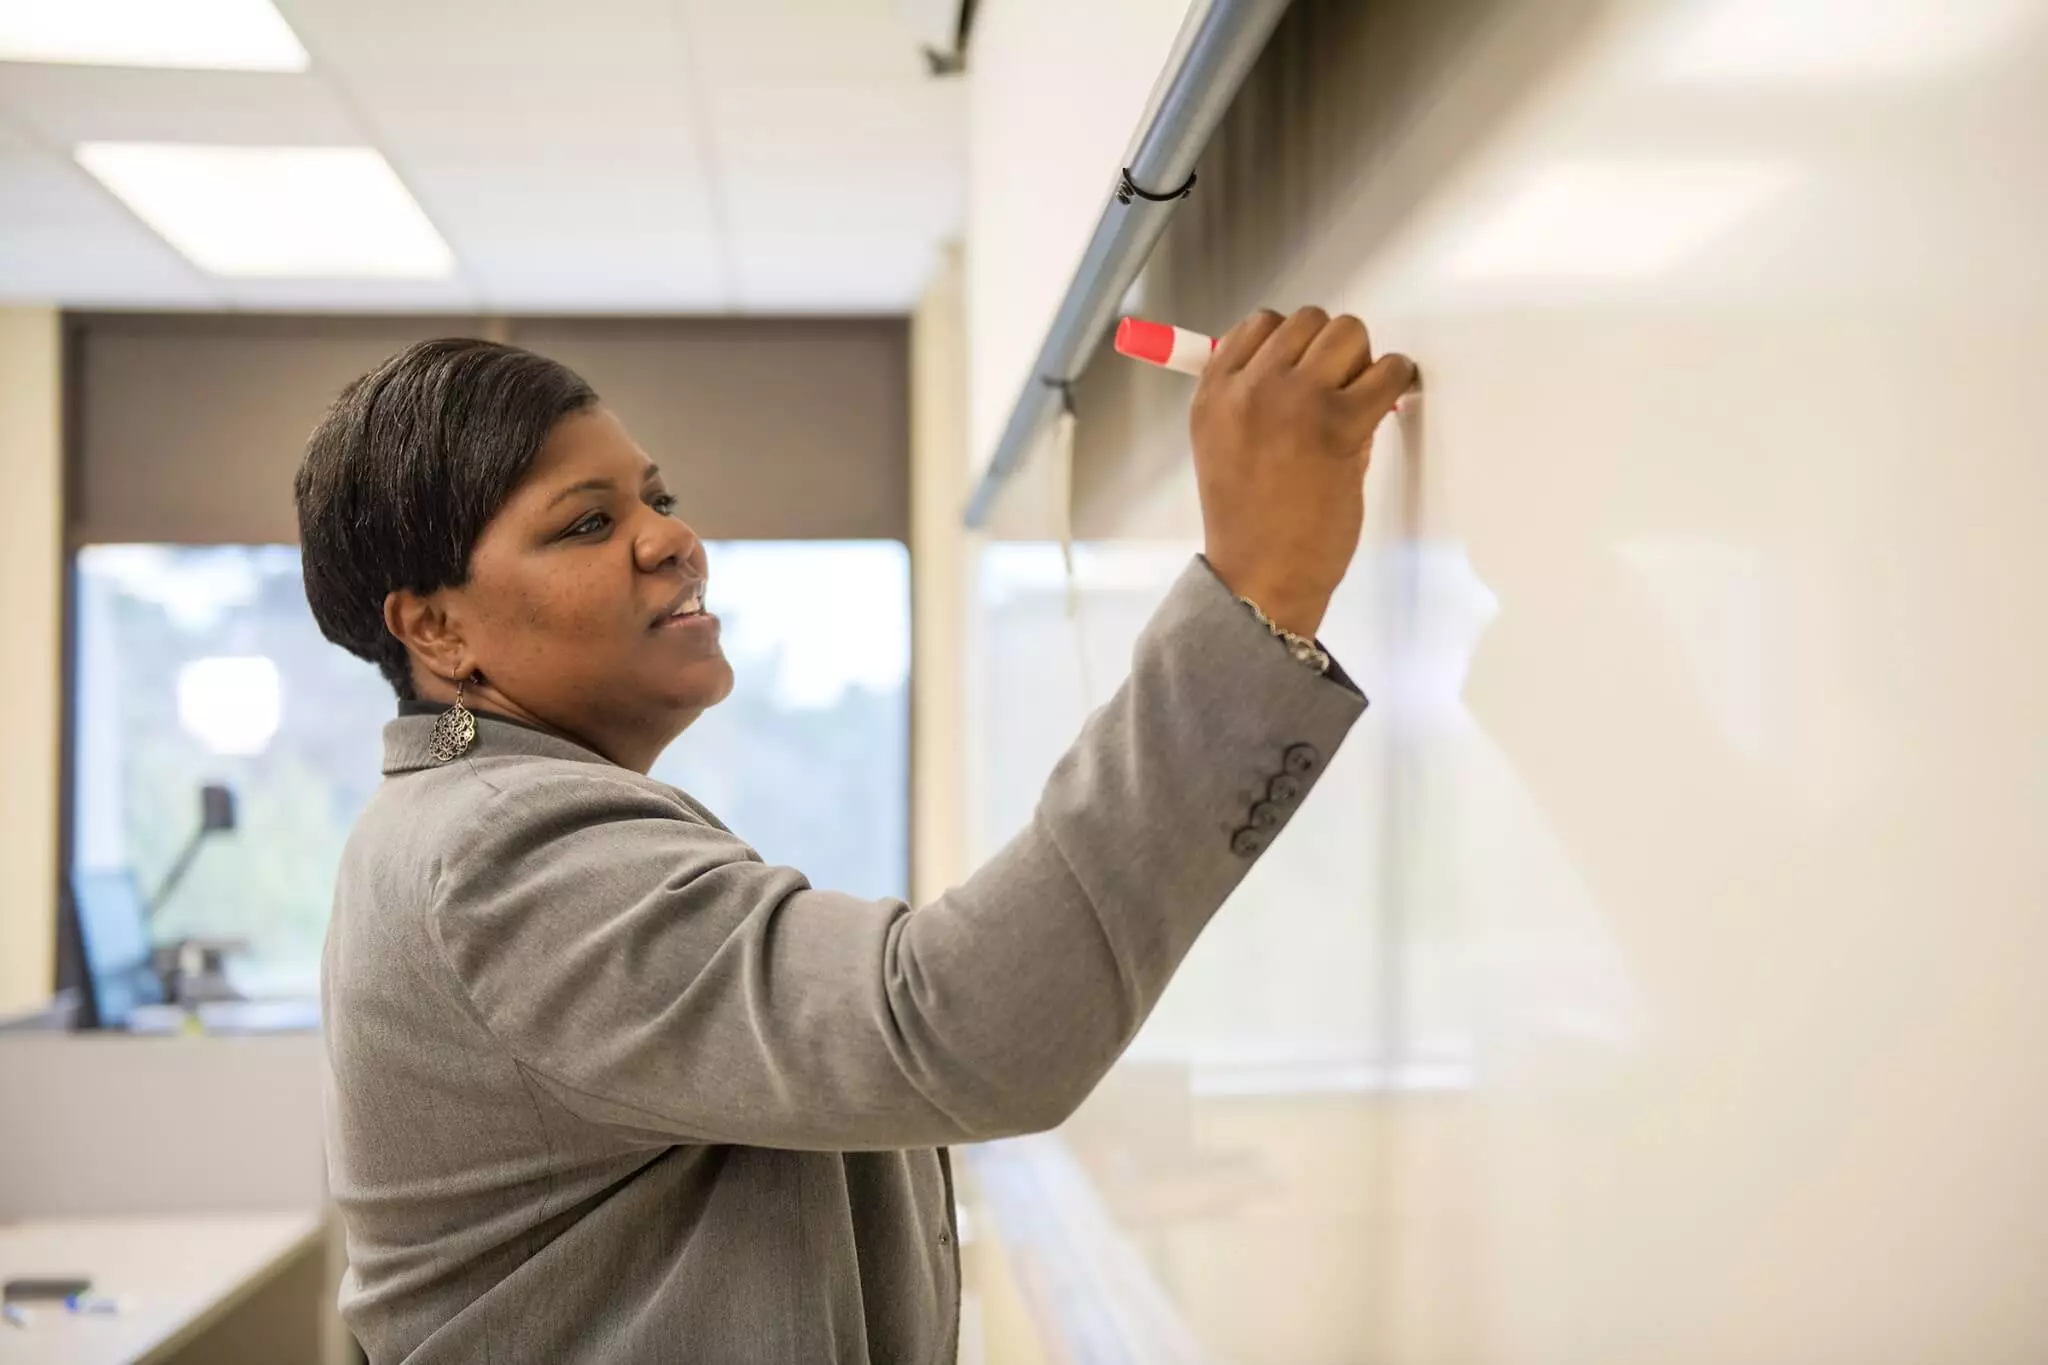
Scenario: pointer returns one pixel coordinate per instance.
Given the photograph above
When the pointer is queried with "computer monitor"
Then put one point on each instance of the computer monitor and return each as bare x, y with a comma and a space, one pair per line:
114, 943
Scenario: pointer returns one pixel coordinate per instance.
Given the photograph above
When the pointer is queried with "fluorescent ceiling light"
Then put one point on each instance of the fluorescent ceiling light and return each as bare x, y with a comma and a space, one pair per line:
1727, 41
275, 212
215, 35
1592, 220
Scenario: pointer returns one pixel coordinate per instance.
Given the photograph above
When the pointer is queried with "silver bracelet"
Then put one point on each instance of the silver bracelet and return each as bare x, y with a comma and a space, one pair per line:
1302, 648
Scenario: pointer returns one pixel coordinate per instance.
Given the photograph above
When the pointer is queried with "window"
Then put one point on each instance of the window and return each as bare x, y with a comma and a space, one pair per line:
809, 759
203, 664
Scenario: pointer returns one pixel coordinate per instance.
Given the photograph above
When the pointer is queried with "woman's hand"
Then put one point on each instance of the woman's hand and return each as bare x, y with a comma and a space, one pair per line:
1282, 428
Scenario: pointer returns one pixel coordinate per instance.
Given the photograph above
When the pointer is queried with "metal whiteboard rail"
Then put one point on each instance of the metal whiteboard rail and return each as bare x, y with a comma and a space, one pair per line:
1216, 48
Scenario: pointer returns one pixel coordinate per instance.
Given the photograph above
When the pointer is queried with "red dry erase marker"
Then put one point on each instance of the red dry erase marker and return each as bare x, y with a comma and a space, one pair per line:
1176, 348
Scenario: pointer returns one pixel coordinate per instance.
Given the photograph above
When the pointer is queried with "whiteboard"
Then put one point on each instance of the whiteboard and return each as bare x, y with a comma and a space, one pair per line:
1656, 974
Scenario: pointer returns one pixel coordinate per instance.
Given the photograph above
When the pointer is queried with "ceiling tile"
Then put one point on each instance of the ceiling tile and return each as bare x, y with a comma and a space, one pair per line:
508, 82
864, 157
553, 146
842, 191
520, 242
798, 272
65, 240
350, 296
790, 42
611, 156
67, 105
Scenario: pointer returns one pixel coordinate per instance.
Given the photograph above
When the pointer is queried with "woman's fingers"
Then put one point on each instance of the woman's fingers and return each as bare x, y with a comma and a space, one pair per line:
1289, 342
1374, 393
1340, 352
1242, 342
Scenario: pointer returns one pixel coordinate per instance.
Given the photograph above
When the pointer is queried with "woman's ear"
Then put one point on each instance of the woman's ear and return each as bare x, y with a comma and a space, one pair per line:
423, 626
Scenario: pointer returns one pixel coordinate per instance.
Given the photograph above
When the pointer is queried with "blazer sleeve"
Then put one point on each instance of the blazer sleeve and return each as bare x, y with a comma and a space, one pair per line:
656, 977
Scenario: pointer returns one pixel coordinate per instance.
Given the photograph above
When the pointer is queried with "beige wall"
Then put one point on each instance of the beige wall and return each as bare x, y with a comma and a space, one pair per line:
938, 586
190, 427
31, 564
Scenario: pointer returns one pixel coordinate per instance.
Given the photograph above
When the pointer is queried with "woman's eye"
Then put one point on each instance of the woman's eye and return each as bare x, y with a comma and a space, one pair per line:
589, 525
664, 503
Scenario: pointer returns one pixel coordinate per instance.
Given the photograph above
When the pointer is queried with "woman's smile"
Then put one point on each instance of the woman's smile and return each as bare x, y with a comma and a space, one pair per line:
686, 609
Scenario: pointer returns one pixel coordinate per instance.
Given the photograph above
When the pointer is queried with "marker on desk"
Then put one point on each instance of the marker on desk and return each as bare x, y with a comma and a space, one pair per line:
1169, 347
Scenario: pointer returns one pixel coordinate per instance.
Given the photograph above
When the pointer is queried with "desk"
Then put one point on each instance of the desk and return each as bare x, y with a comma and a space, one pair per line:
105, 1126
181, 1280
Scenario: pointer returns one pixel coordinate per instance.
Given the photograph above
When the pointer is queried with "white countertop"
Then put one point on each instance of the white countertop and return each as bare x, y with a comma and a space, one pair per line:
173, 1276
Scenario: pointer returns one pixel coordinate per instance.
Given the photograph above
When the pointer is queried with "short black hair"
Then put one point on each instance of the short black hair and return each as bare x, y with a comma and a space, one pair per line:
404, 471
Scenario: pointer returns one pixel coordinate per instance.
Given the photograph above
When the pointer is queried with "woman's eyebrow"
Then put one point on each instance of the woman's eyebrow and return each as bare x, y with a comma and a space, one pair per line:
585, 486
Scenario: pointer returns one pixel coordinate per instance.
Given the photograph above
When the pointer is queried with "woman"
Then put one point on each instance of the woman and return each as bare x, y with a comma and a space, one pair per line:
606, 1086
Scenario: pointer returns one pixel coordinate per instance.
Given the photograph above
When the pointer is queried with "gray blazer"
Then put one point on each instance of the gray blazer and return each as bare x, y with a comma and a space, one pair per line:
607, 1087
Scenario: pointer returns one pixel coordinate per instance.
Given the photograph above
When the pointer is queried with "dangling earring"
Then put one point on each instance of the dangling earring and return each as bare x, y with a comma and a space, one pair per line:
454, 729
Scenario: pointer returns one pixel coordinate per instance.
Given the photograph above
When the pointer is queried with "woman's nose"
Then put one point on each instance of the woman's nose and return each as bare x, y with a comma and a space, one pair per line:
664, 541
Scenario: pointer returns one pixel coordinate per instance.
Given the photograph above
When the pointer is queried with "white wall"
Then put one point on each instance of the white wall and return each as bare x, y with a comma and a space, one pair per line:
31, 562
1055, 90
1697, 819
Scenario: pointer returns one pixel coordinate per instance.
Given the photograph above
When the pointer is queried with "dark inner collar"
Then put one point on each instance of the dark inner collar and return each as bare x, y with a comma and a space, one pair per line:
435, 708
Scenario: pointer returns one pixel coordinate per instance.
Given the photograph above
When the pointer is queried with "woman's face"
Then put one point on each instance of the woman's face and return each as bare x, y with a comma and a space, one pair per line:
584, 605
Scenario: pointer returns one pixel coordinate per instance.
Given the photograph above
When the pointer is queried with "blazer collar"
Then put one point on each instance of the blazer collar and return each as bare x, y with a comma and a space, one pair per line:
408, 740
